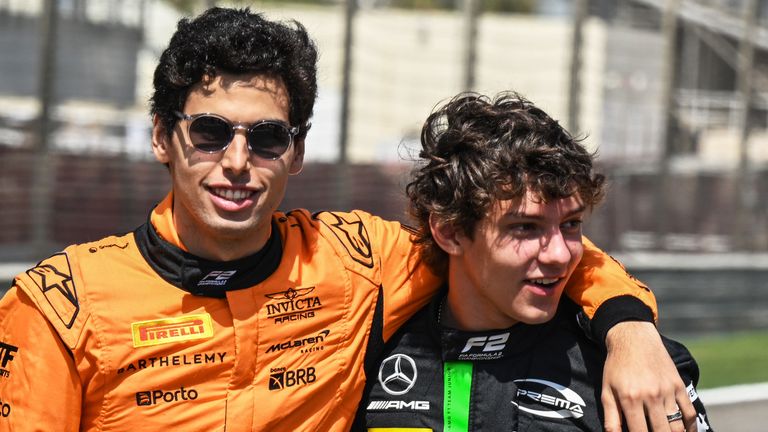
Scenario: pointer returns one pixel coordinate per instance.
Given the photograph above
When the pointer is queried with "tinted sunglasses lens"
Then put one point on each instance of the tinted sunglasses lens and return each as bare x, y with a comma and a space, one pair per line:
210, 134
269, 140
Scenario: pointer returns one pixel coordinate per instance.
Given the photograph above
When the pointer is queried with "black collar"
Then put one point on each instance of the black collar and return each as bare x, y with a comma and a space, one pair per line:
203, 277
490, 344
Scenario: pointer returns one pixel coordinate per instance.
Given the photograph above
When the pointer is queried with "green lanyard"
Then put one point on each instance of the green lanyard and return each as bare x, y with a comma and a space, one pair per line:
457, 376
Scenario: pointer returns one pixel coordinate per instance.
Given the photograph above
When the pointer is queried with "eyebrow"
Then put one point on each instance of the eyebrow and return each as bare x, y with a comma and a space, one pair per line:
581, 209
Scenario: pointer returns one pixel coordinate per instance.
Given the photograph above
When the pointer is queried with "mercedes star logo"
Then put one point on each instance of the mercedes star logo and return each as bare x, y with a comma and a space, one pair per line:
397, 374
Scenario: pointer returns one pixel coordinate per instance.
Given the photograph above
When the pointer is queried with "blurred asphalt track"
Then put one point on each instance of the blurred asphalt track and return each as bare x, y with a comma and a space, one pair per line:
742, 408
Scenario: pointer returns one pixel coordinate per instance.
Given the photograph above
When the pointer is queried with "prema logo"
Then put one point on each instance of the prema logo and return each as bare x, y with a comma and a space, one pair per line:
168, 330
564, 403
153, 397
5, 409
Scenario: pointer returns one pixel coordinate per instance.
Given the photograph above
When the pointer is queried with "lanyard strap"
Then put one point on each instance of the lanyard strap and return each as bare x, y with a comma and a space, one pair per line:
457, 376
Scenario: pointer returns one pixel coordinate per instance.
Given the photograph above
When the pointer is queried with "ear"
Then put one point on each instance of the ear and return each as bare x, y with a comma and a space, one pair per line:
446, 236
161, 141
297, 162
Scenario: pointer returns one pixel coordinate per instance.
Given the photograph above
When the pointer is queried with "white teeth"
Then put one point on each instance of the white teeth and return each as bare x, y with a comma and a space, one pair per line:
232, 195
545, 281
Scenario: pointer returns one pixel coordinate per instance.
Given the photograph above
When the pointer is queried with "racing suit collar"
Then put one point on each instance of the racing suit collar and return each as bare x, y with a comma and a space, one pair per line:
482, 345
161, 247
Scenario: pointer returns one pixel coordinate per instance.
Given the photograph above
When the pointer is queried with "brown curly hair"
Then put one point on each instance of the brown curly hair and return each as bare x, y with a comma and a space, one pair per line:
478, 150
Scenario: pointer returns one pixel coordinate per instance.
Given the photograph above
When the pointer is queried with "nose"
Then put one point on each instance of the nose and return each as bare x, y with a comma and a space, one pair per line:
236, 156
554, 249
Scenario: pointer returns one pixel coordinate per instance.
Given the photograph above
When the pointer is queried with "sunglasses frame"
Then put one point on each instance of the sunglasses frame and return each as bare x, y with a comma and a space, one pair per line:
234, 126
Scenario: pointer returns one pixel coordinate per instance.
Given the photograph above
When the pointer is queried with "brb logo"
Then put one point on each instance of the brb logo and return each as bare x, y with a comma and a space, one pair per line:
153, 397
282, 378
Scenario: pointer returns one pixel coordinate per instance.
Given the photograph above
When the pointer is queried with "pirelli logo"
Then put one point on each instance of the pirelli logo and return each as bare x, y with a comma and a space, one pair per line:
169, 330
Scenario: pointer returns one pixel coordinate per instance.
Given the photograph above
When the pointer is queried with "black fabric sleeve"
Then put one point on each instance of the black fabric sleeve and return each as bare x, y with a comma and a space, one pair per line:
614, 311
689, 372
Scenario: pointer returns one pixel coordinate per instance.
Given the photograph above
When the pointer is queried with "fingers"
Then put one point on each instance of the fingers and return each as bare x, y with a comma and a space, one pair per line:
657, 417
612, 415
688, 410
633, 413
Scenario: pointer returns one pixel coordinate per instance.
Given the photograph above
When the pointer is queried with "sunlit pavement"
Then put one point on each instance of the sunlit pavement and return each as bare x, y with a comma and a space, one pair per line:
742, 408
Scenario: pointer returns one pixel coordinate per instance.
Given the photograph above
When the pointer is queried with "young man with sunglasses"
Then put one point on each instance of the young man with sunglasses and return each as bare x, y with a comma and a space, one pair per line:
223, 313
500, 194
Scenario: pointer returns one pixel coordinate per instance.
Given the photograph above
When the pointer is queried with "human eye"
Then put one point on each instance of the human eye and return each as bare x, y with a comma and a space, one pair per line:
523, 229
573, 225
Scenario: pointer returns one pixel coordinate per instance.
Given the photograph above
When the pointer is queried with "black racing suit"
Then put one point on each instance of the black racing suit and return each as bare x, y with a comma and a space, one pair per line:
544, 377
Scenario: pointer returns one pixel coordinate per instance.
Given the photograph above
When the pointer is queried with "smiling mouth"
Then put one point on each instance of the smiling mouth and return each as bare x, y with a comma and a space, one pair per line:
231, 194
544, 282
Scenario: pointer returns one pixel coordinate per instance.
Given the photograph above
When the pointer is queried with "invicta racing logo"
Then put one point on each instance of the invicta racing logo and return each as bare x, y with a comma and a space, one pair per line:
168, 330
293, 305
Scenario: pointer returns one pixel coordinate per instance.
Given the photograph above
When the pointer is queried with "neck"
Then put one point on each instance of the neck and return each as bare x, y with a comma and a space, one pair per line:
221, 245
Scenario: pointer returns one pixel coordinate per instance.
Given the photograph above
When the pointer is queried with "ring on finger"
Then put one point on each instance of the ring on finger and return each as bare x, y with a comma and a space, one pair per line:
675, 416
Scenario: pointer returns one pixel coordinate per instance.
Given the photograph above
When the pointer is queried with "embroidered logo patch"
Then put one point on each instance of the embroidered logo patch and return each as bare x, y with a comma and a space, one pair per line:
169, 330
54, 278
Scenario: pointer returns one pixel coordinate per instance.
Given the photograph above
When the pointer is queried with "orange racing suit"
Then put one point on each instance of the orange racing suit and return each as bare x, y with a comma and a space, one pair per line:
132, 332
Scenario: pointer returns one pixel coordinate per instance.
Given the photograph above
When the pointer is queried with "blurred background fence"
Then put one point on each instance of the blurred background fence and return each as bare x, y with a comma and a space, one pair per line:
672, 94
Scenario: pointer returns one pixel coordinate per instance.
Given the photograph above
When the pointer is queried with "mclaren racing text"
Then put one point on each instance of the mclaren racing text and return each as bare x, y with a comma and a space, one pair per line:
174, 360
307, 345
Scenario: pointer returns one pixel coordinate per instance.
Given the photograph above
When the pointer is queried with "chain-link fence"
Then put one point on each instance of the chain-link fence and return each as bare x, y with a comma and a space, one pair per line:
677, 112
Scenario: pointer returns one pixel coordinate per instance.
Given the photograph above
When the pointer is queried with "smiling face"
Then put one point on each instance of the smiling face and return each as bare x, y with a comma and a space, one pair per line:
223, 202
516, 265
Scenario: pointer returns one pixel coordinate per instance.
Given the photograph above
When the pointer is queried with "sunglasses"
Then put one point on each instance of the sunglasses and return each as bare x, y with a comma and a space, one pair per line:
211, 133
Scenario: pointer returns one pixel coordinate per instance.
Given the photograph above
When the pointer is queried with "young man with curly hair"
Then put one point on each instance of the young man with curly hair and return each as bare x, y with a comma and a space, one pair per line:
223, 313
500, 195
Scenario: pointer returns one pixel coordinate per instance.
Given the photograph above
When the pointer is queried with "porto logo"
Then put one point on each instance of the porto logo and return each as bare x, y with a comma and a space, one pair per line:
153, 397
5, 409
308, 344
296, 305
281, 378
397, 374
555, 400
216, 278
168, 330
7, 353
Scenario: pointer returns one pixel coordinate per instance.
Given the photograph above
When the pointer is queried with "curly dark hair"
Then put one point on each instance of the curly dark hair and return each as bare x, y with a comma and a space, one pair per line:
236, 41
477, 151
